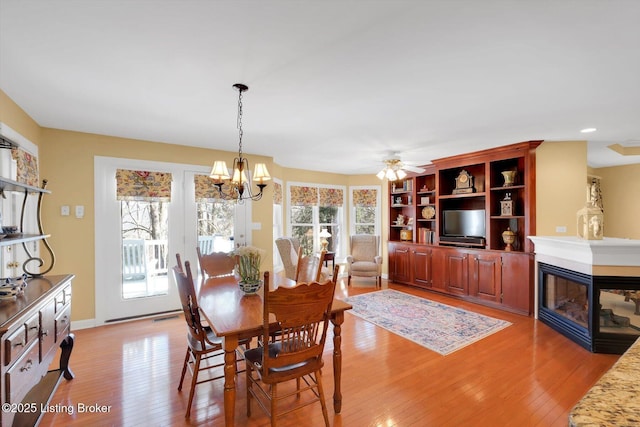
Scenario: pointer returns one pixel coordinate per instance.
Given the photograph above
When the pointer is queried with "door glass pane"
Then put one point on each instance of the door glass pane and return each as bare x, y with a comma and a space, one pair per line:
215, 226
144, 248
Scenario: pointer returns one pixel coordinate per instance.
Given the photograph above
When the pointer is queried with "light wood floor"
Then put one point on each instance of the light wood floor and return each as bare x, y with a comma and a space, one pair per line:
524, 375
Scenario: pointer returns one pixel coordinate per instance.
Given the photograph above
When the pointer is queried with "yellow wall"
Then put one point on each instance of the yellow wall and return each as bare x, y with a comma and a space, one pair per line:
621, 200
561, 176
12, 115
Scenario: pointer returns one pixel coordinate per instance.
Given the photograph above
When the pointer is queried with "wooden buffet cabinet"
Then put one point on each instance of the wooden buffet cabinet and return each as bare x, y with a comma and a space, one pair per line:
33, 325
481, 269
32, 328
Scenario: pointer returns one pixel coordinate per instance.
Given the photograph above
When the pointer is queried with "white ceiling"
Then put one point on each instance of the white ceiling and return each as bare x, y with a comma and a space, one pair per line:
334, 85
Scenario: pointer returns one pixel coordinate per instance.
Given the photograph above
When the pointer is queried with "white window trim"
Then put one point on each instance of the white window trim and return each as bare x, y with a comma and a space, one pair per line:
352, 216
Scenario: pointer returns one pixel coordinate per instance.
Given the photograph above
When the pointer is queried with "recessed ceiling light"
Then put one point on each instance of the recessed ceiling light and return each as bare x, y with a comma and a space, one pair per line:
588, 130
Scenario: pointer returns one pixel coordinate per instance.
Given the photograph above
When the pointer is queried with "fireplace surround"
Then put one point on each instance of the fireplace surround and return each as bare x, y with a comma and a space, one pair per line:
589, 290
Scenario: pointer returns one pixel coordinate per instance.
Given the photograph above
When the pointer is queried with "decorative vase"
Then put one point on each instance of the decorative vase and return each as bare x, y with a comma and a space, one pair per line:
509, 238
590, 222
509, 178
250, 288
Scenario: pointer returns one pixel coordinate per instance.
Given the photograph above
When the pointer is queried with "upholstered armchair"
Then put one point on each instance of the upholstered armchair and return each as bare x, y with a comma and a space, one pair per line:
288, 248
365, 259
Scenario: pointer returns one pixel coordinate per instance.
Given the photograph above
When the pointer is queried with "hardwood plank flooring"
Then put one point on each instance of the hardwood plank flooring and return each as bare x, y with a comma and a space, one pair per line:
524, 375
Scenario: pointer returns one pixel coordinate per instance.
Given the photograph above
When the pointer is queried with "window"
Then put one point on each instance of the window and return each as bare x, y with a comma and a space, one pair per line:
365, 214
312, 208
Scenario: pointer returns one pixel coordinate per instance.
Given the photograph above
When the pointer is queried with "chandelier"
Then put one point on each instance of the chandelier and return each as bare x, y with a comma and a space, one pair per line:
238, 186
392, 171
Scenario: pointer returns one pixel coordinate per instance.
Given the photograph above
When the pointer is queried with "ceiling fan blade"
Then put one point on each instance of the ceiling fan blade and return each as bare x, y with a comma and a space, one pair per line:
412, 168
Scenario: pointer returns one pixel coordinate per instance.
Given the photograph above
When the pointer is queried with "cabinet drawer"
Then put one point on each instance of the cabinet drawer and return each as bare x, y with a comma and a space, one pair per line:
63, 299
15, 344
33, 328
22, 376
47, 328
63, 321
67, 294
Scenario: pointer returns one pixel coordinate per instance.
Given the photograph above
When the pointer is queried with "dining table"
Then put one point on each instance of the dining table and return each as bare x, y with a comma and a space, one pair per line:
235, 316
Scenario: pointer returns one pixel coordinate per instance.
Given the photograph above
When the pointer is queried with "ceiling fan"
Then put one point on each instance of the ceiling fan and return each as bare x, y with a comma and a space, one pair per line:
395, 168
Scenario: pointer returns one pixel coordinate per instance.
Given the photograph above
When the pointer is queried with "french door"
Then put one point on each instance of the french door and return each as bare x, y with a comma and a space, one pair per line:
133, 268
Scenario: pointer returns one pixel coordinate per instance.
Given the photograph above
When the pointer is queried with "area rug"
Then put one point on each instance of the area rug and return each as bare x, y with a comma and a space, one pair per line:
438, 327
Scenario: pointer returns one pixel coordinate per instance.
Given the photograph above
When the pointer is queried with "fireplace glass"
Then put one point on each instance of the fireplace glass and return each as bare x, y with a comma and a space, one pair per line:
567, 299
601, 313
620, 311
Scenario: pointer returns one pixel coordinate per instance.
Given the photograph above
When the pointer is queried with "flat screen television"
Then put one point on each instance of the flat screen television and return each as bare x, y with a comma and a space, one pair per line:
463, 223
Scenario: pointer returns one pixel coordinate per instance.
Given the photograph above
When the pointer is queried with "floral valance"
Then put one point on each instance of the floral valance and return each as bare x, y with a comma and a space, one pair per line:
365, 198
143, 185
27, 167
277, 193
331, 197
206, 191
304, 196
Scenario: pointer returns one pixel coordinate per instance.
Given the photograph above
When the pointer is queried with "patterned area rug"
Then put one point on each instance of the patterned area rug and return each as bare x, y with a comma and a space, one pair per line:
439, 327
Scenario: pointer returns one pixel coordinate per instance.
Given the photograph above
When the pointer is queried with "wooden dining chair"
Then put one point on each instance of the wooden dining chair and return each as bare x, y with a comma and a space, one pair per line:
202, 343
309, 267
302, 317
216, 264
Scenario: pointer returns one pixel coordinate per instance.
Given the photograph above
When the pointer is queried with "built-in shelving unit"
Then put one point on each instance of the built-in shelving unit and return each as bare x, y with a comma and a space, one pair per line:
499, 186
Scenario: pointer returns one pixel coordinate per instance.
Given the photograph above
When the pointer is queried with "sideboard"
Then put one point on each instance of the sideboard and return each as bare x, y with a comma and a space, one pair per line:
32, 327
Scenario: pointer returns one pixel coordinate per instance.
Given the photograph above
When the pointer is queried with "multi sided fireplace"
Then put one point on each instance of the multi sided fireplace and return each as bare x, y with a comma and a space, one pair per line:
589, 290
601, 313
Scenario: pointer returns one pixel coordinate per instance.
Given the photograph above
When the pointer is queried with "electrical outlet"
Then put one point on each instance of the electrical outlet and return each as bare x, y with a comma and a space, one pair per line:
561, 229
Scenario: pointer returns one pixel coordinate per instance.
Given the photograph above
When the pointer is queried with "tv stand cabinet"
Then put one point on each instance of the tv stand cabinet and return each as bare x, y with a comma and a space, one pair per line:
485, 271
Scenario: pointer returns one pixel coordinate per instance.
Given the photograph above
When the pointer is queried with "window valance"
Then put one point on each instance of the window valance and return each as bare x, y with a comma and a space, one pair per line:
331, 197
27, 167
206, 191
365, 198
304, 196
143, 185
277, 193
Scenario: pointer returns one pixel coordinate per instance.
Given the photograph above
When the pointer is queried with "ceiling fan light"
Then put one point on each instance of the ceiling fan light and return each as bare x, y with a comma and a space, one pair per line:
401, 174
391, 175
381, 174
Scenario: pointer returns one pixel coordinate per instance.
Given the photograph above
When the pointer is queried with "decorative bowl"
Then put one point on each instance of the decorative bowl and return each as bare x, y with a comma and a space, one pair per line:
9, 229
250, 288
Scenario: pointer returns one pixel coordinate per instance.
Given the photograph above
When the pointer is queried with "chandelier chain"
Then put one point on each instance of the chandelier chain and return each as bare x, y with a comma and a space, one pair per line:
240, 122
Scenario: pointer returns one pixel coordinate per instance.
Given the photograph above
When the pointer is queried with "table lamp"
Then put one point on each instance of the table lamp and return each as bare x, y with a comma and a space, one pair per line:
323, 238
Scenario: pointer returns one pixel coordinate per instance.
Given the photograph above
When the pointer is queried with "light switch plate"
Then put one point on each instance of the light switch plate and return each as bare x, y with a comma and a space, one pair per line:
64, 210
79, 211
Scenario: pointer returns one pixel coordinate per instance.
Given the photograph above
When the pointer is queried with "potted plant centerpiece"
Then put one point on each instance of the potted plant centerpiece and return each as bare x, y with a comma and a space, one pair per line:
248, 268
